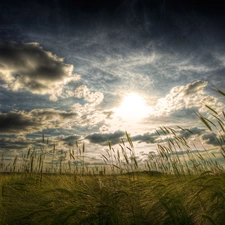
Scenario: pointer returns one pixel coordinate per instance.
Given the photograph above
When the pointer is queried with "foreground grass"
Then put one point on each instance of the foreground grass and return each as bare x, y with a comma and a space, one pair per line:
112, 199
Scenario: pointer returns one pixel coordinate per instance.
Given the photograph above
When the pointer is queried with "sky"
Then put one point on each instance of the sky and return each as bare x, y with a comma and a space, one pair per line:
87, 71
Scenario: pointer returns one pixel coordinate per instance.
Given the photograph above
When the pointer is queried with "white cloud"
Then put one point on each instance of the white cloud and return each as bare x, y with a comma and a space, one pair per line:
95, 98
195, 87
88, 113
180, 97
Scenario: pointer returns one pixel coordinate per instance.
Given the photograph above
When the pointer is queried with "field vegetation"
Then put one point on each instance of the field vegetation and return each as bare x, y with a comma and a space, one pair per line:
176, 185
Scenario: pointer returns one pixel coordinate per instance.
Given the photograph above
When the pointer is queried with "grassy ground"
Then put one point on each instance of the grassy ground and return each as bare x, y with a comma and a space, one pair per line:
112, 199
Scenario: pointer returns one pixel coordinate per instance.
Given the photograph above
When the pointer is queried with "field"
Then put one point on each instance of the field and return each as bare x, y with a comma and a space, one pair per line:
170, 188
137, 198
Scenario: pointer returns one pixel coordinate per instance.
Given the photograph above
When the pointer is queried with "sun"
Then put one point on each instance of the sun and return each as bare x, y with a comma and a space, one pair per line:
133, 108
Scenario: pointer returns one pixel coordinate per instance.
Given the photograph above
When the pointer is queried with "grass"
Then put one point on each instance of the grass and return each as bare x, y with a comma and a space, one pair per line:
112, 199
169, 188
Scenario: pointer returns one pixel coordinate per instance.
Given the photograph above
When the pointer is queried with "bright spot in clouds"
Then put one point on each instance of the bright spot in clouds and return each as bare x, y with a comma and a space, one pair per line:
133, 108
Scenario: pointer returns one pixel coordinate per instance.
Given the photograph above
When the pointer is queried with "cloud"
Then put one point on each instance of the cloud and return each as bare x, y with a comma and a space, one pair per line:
81, 109
36, 120
182, 103
88, 114
16, 143
182, 97
194, 87
105, 138
14, 122
154, 137
211, 139
71, 140
147, 137
94, 98
27, 67
192, 131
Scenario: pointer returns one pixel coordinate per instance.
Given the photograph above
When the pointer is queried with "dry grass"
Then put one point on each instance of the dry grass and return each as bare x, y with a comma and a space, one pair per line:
112, 199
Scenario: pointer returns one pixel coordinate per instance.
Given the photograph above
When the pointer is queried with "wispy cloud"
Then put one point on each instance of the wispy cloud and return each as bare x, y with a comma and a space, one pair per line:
94, 98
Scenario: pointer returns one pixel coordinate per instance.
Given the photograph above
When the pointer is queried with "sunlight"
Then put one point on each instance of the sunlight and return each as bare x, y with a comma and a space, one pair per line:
133, 108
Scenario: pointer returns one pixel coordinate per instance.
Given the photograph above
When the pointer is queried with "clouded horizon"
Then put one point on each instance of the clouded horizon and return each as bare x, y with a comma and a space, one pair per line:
88, 71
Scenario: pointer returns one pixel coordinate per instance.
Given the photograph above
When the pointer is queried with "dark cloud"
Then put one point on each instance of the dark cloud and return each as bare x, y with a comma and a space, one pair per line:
71, 140
192, 131
18, 143
14, 122
105, 138
147, 137
211, 139
35, 120
26, 66
154, 137
52, 114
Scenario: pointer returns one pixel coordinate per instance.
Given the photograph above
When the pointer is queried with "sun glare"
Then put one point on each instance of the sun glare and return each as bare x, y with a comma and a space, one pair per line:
133, 108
